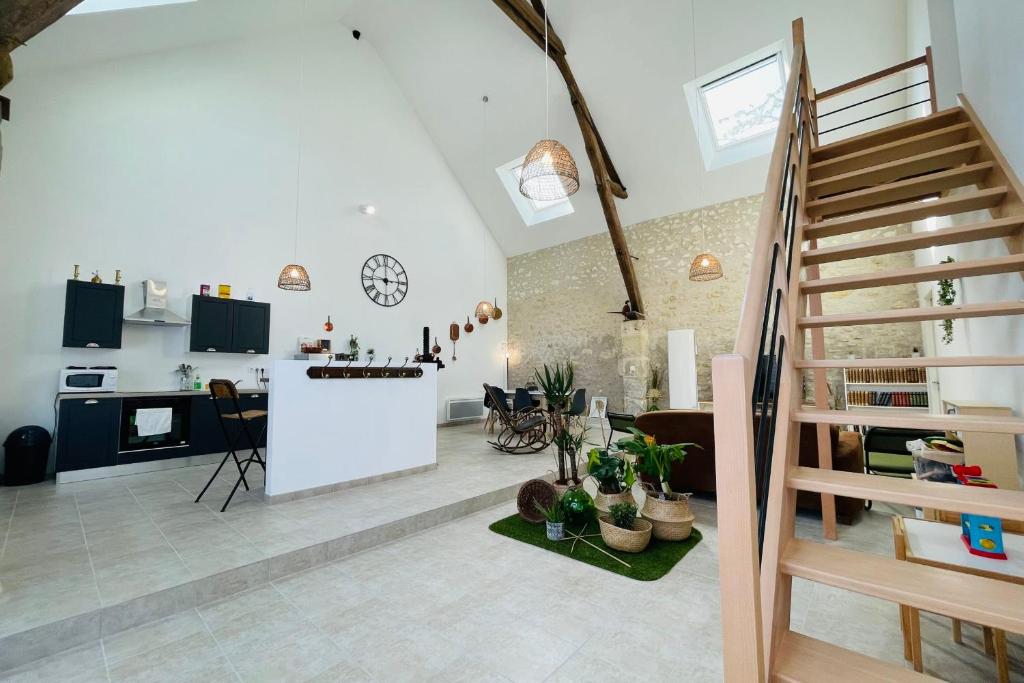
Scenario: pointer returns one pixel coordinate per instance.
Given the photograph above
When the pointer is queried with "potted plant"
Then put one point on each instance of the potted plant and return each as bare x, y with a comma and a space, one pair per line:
614, 476
554, 519
622, 530
557, 385
667, 510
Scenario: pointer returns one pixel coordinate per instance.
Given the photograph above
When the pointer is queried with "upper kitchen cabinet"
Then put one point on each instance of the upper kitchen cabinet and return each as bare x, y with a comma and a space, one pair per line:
229, 326
251, 327
93, 315
211, 324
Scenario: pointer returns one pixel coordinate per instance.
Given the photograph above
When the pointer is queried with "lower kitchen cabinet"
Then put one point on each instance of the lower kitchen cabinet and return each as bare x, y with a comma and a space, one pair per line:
207, 436
87, 433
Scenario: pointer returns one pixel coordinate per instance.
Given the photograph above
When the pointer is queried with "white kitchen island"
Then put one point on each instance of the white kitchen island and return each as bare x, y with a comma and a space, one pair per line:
327, 434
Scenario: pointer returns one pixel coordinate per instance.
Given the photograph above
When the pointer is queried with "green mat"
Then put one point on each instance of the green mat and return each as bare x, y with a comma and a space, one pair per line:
650, 565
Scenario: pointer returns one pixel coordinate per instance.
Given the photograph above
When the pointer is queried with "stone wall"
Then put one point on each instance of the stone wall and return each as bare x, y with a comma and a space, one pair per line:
560, 298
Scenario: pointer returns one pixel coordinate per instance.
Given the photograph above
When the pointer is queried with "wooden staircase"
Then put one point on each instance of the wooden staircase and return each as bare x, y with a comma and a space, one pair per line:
941, 164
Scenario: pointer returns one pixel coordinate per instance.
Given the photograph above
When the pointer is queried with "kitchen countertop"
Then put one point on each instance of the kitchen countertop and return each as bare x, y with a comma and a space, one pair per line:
143, 394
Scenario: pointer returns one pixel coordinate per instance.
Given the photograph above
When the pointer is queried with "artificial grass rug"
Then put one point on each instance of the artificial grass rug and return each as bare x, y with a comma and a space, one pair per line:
649, 565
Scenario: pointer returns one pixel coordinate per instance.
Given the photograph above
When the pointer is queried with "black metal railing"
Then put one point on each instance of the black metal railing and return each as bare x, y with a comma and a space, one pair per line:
772, 347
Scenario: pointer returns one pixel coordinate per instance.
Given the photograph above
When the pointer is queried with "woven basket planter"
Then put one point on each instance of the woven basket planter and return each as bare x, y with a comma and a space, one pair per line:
560, 489
627, 540
672, 519
604, 501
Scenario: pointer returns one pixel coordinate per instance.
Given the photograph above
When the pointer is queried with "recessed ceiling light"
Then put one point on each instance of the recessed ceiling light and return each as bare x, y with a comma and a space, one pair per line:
90, 6
367, 209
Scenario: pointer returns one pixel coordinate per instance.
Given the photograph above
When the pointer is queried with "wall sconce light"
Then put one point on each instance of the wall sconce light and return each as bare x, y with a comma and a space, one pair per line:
367, 209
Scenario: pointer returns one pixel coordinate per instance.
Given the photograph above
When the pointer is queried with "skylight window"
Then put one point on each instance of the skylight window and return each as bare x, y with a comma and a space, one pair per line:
746, 103
532, 211
736, 108
90, 6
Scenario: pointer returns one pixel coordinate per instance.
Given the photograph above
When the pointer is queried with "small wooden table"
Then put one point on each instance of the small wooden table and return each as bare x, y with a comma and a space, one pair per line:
938, 544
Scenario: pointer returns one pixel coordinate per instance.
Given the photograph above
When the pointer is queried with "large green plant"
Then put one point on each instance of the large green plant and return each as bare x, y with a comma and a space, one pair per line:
557, 384
652, 458
613, 473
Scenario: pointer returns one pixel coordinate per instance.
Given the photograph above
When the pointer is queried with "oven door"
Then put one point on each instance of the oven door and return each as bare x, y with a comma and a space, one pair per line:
154, 427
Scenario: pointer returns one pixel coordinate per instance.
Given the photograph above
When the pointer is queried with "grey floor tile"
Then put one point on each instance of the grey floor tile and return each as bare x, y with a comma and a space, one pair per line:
80, 665
195, 658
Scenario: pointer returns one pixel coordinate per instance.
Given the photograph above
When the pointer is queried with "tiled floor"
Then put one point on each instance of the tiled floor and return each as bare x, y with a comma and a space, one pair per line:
78, 547
460, 603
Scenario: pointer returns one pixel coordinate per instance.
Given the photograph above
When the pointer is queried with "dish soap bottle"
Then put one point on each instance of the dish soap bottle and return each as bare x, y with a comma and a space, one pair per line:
198, 384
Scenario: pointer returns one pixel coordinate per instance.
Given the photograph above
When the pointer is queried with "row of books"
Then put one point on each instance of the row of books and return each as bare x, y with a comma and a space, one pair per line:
886, 375
901, 399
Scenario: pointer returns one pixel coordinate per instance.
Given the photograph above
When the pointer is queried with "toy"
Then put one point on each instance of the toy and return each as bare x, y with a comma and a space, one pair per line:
982, 535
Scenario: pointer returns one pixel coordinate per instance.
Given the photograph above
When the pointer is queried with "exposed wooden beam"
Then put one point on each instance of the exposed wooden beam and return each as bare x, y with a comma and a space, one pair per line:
21, 20
530, 19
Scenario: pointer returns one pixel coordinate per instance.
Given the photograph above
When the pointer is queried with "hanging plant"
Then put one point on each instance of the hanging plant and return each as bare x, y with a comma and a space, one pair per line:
947, 297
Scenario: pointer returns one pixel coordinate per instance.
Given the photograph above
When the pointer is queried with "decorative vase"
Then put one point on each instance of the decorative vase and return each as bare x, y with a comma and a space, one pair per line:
604, 501
671, 516
627, 540
555, 530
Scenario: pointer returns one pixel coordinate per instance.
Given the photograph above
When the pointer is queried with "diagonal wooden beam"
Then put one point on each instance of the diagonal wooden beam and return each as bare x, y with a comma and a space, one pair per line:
530, 19
21, 20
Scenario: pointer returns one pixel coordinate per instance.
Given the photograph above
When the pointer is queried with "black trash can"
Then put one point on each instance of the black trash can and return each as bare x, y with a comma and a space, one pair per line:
26, 451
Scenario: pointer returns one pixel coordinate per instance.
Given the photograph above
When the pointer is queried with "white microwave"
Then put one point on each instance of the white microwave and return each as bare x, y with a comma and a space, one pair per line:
75, 379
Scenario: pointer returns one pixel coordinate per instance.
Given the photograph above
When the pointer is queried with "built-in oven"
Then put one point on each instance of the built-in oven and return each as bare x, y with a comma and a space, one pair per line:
150, 423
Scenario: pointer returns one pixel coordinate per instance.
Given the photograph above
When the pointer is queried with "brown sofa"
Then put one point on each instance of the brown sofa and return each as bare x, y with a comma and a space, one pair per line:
697, 472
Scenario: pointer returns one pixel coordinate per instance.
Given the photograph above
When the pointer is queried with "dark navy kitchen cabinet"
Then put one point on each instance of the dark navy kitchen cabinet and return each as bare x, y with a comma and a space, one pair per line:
251, 331
207, 436
87, 433
93, 315
229, 326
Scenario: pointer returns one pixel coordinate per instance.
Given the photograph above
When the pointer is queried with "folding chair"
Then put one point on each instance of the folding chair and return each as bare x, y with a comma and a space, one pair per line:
223, 391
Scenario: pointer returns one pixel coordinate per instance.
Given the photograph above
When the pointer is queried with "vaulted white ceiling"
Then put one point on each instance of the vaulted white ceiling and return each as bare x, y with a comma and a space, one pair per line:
631, 60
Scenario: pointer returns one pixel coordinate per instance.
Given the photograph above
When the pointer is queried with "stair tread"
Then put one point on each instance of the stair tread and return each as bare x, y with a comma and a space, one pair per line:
933, 139
900, 191
1003, 503
978, 599
957, 234
900, 276
995, 424
802, 659
926, 162
899, 131
903, 315
904, 213
919, 362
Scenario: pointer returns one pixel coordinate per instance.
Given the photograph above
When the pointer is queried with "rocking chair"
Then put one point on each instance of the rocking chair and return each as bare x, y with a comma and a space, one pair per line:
522, 431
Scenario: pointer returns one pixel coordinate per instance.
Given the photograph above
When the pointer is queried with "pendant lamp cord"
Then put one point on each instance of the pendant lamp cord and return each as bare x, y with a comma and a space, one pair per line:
298, 133
547, 78
700, 171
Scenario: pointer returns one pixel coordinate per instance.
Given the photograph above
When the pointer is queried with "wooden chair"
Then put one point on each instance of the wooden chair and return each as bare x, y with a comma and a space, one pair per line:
522, 431
223, 391
492, 413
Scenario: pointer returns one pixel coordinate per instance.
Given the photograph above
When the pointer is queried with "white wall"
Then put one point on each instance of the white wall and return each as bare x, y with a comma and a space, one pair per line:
986, 49
180, 166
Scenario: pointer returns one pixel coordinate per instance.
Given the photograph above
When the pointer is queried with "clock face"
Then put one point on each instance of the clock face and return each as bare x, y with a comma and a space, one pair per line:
385, 280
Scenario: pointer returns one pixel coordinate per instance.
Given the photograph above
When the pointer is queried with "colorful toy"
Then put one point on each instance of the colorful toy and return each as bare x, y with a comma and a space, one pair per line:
982, 535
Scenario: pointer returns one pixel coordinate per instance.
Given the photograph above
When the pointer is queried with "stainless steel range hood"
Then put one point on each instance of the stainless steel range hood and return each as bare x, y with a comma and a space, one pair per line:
154, 307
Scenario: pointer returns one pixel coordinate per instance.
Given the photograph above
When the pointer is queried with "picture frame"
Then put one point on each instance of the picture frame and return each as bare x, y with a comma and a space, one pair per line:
598, 407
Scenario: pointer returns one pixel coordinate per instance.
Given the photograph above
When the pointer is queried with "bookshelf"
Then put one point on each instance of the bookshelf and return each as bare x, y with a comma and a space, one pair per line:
903, 389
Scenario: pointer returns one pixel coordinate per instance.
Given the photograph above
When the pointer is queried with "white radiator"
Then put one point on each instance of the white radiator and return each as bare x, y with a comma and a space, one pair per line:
459, 409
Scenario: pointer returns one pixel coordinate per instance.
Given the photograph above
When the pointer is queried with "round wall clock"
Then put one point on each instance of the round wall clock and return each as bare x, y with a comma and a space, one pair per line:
384, 280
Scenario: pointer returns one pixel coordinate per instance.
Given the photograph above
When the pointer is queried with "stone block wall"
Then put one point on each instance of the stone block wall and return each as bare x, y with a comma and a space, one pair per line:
561, 299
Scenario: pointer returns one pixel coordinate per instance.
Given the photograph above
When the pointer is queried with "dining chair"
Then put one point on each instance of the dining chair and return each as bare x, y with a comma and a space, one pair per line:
523, 400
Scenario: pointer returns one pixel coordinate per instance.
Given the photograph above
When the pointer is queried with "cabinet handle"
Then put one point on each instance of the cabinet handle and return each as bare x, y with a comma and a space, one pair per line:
91, 401
92, 345
254, 395
250, 351
211, 349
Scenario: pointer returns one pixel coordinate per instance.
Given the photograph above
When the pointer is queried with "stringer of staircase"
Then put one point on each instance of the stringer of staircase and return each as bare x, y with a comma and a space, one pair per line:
894, 175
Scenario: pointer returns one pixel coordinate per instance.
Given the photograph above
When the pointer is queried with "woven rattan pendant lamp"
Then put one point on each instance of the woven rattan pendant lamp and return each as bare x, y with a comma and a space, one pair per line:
705, 265
549, 172
294, 276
